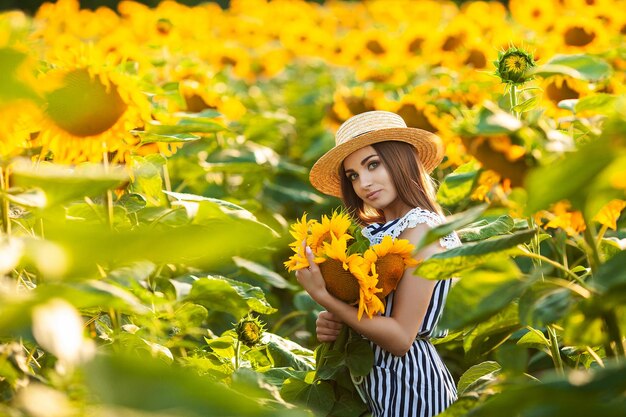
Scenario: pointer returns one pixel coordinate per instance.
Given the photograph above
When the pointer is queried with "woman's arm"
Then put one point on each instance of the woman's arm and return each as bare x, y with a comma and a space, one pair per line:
396, 333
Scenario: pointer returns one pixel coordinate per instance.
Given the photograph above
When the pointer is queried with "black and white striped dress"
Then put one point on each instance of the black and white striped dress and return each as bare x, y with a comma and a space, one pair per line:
418, 383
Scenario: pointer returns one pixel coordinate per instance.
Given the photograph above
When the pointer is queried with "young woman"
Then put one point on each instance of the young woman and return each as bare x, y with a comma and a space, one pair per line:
379, 167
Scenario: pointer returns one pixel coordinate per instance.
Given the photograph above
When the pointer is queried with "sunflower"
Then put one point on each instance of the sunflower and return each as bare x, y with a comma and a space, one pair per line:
559, 87
389, 259
560, 215
90, 110
577, 34
17, 122
338, 269
250, 330
502, 154
370, 302
442, 47
335, 227
347, 102
608, 215
19, 110
486, 181
300, 232
538, 15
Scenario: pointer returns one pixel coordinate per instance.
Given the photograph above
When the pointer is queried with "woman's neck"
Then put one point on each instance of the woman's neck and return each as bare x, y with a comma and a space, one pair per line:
396, 210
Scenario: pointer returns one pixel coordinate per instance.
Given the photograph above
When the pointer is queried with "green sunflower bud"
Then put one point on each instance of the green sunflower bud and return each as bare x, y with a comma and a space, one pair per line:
249, 331
513, 65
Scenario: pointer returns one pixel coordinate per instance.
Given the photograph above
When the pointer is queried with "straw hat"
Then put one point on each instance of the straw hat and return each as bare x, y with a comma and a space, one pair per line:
365, 129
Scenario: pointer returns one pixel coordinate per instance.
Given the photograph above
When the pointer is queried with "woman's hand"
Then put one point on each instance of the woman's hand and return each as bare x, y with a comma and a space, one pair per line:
327, 326
312, 280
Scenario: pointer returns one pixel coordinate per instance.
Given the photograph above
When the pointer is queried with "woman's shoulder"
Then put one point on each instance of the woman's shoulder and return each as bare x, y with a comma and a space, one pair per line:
414, 217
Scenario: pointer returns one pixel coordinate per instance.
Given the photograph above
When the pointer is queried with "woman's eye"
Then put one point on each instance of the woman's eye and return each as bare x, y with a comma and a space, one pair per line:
372, 165
352, 176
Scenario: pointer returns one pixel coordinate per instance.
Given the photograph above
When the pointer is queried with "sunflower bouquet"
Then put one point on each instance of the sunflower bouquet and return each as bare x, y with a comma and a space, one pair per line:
354, 271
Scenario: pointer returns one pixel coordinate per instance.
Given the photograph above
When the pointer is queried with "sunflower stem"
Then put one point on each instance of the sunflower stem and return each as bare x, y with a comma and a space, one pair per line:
614, 333
4, 185
513, 97
237, 352
555, 351
590, 239
556, 265
109, 194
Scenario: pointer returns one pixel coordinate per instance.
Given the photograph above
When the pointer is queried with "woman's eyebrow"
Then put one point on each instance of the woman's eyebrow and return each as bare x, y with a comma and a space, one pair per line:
367, 158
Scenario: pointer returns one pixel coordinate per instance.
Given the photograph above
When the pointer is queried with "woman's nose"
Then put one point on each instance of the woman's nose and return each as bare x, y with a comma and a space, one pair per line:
365, 180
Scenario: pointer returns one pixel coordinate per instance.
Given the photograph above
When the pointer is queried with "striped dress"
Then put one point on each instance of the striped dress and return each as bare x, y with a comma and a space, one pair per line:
418, 383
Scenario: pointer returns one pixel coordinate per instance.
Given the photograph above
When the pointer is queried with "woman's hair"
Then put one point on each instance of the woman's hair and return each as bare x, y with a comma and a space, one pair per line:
414, 186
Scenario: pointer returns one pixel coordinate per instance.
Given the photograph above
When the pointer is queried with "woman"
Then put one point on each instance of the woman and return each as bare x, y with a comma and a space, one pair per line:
379, 167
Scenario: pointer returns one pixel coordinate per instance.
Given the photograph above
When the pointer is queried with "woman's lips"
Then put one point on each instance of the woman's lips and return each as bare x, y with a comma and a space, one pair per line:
372, 195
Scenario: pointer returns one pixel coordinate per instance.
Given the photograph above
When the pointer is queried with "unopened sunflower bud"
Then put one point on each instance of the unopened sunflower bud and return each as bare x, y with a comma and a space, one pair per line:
513, 65
249, 331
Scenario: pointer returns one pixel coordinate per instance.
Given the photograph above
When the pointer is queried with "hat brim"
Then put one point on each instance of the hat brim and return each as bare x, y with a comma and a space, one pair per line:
324, 175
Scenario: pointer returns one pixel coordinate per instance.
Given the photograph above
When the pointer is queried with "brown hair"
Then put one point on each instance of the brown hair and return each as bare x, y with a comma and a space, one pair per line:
414, 186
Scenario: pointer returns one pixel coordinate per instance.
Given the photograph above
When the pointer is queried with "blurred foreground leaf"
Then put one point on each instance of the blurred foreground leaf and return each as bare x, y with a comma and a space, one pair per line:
150, 385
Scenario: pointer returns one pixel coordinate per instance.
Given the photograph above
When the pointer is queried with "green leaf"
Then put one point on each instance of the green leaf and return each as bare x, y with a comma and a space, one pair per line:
570, 178
62, 184
285, 353
230, 296
477, 376
495, 121
86, 245
544, 304
128, 381
359, 357
267, 275
132, 202
611, 275
446, 264
501, 225
185, 126
33, 198
599, 103
147, 179
534, 339
491, 333
319, 395
461, 407
452, 223
149, 137
11, 87
223, 346
206, 210
526, 105
458, 185
579, 66
594, 392
482, 292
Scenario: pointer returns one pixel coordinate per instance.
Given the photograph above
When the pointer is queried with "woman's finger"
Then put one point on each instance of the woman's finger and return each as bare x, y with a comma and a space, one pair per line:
324, 338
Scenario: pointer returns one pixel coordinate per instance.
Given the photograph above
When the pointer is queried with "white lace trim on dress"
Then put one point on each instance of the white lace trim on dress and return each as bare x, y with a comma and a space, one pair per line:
411, 219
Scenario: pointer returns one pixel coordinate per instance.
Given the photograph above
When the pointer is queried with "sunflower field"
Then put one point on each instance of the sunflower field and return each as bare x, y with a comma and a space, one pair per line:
153, 160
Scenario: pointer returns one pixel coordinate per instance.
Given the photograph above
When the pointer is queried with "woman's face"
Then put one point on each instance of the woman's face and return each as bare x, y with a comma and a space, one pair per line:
370, 180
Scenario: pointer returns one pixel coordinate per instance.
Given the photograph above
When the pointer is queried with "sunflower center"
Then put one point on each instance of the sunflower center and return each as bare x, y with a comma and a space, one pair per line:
84, 106
578, 36
451, 43
375, 47
515, 64
339, 282
564, 92
358, 105
416, 45
390, 269
477, 59
415, 117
